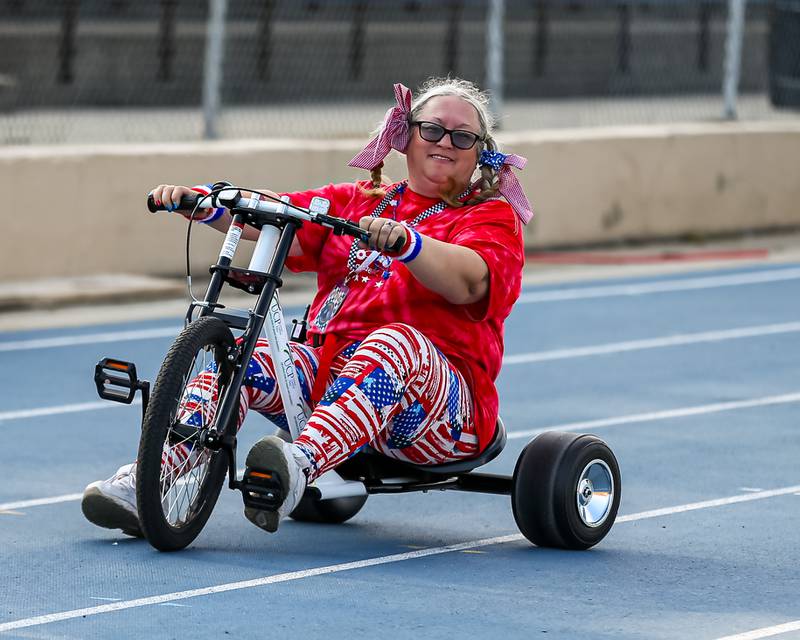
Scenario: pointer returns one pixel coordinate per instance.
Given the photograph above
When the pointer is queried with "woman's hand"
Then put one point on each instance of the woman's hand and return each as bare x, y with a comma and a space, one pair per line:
383, 233
169, 195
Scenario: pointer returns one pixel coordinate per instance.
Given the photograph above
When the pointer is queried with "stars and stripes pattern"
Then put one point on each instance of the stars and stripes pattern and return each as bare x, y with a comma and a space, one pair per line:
259, 392
398, 394
393, 391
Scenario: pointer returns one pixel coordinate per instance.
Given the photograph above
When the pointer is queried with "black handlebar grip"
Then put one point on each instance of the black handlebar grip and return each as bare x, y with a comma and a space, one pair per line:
187, 203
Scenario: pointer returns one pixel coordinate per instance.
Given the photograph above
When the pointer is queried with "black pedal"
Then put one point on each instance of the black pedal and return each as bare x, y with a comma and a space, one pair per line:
261, 490
116, 380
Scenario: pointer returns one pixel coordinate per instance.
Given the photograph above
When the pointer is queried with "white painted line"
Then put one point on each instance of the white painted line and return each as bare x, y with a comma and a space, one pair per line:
349, 566
106, 599
248, 584
662, 286
765, 632
708, 504
660, 415
24, 504
751, 489
60, 409
653, 343
522, 358
568, 426
91, 338
757, 277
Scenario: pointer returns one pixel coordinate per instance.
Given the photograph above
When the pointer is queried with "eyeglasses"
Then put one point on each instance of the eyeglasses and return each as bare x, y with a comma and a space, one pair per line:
433, 132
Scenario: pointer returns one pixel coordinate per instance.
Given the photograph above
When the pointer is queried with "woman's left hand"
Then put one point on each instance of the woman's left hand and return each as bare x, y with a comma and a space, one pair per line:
384, 233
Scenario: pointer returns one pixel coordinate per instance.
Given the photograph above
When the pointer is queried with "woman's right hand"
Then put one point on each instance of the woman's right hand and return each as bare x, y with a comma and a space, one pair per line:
169, 195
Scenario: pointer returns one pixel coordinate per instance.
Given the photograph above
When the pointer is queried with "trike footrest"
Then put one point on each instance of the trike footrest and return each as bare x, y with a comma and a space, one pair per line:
261, 490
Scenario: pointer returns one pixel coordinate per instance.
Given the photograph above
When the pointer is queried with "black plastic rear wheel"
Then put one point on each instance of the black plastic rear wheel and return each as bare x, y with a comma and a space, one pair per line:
335, 511
566, 490
178, 479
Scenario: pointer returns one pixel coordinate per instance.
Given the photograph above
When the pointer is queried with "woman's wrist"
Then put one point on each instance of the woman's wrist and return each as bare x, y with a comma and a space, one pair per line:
413, 245
213, 214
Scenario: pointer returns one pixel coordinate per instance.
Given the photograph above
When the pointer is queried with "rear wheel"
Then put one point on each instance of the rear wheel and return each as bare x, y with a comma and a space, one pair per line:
334, 511
566, 490
178, 479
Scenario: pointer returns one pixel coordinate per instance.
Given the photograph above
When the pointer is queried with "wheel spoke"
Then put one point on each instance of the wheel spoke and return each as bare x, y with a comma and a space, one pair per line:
181, 483
180, 477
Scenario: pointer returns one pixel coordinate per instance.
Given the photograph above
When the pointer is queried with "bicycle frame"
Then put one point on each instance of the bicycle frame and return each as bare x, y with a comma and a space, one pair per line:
264, 272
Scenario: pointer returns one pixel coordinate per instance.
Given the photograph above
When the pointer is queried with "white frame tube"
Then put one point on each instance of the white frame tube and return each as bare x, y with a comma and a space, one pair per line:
278, 336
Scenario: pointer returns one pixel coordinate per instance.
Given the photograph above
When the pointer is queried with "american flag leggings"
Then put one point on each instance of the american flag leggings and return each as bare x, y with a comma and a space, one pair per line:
393, 391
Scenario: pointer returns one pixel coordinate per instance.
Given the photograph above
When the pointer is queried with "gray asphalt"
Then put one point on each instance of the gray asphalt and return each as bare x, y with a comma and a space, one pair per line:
704, 573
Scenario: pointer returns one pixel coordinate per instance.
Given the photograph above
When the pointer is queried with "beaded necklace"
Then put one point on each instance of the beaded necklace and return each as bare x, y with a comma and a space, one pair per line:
398, 189
335, 299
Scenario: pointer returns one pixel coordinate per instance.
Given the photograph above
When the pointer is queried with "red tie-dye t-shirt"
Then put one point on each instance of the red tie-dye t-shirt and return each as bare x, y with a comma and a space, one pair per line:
470, 336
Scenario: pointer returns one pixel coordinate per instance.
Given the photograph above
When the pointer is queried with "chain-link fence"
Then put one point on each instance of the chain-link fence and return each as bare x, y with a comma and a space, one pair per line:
86, 71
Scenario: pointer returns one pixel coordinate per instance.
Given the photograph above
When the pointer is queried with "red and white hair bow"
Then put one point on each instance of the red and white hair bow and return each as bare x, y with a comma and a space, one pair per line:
394, 133
509, 187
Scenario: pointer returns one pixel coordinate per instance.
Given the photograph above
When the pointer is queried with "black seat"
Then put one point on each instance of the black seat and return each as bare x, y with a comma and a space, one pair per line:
459, 466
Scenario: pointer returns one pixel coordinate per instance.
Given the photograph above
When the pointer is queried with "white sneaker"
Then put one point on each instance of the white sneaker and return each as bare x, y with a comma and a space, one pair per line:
112, 503
284, 459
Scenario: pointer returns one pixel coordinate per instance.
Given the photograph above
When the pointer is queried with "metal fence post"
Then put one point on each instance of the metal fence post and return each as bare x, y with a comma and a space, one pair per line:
357, 37
66, 44
212, 68
454, 10
540, 55
265, 39
166, 40
494, 55
733, 56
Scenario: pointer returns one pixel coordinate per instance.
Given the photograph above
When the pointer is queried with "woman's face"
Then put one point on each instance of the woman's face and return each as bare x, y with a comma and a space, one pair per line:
431, 164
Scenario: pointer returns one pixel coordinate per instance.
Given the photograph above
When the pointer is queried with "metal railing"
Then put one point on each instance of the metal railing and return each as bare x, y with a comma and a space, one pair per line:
212, 62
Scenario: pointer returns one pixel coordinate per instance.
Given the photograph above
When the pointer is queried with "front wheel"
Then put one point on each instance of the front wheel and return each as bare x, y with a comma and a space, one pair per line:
178, 479
566, 490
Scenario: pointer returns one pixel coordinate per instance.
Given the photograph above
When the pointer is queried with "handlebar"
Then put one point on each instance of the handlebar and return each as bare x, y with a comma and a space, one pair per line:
232, 199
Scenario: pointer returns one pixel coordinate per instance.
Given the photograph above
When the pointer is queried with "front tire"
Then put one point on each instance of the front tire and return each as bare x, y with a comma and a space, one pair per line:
178, 480
566, 490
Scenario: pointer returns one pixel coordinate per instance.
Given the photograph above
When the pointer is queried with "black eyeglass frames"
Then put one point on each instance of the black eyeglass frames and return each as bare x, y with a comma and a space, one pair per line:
432, 132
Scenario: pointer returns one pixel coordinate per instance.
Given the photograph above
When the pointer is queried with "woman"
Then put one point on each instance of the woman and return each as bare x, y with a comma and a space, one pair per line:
405, 346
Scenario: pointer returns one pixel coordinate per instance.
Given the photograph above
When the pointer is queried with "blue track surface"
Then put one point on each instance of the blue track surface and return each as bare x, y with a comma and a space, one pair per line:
705, 573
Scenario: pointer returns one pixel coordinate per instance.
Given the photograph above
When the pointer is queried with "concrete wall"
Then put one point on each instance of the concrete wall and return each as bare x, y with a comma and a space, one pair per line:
80, 210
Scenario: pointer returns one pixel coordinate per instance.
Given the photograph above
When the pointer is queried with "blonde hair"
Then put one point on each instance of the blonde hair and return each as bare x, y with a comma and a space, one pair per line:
488, 183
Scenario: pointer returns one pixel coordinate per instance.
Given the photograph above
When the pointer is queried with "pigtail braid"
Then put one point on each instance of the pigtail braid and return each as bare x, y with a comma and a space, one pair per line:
489, 182
376, 177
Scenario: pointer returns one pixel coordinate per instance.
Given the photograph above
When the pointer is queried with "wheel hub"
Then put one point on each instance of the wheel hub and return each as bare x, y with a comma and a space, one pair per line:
585, 492
595, 493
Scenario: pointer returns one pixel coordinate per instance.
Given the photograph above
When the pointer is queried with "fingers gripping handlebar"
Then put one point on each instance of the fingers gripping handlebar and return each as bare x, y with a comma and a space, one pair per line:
232, 198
